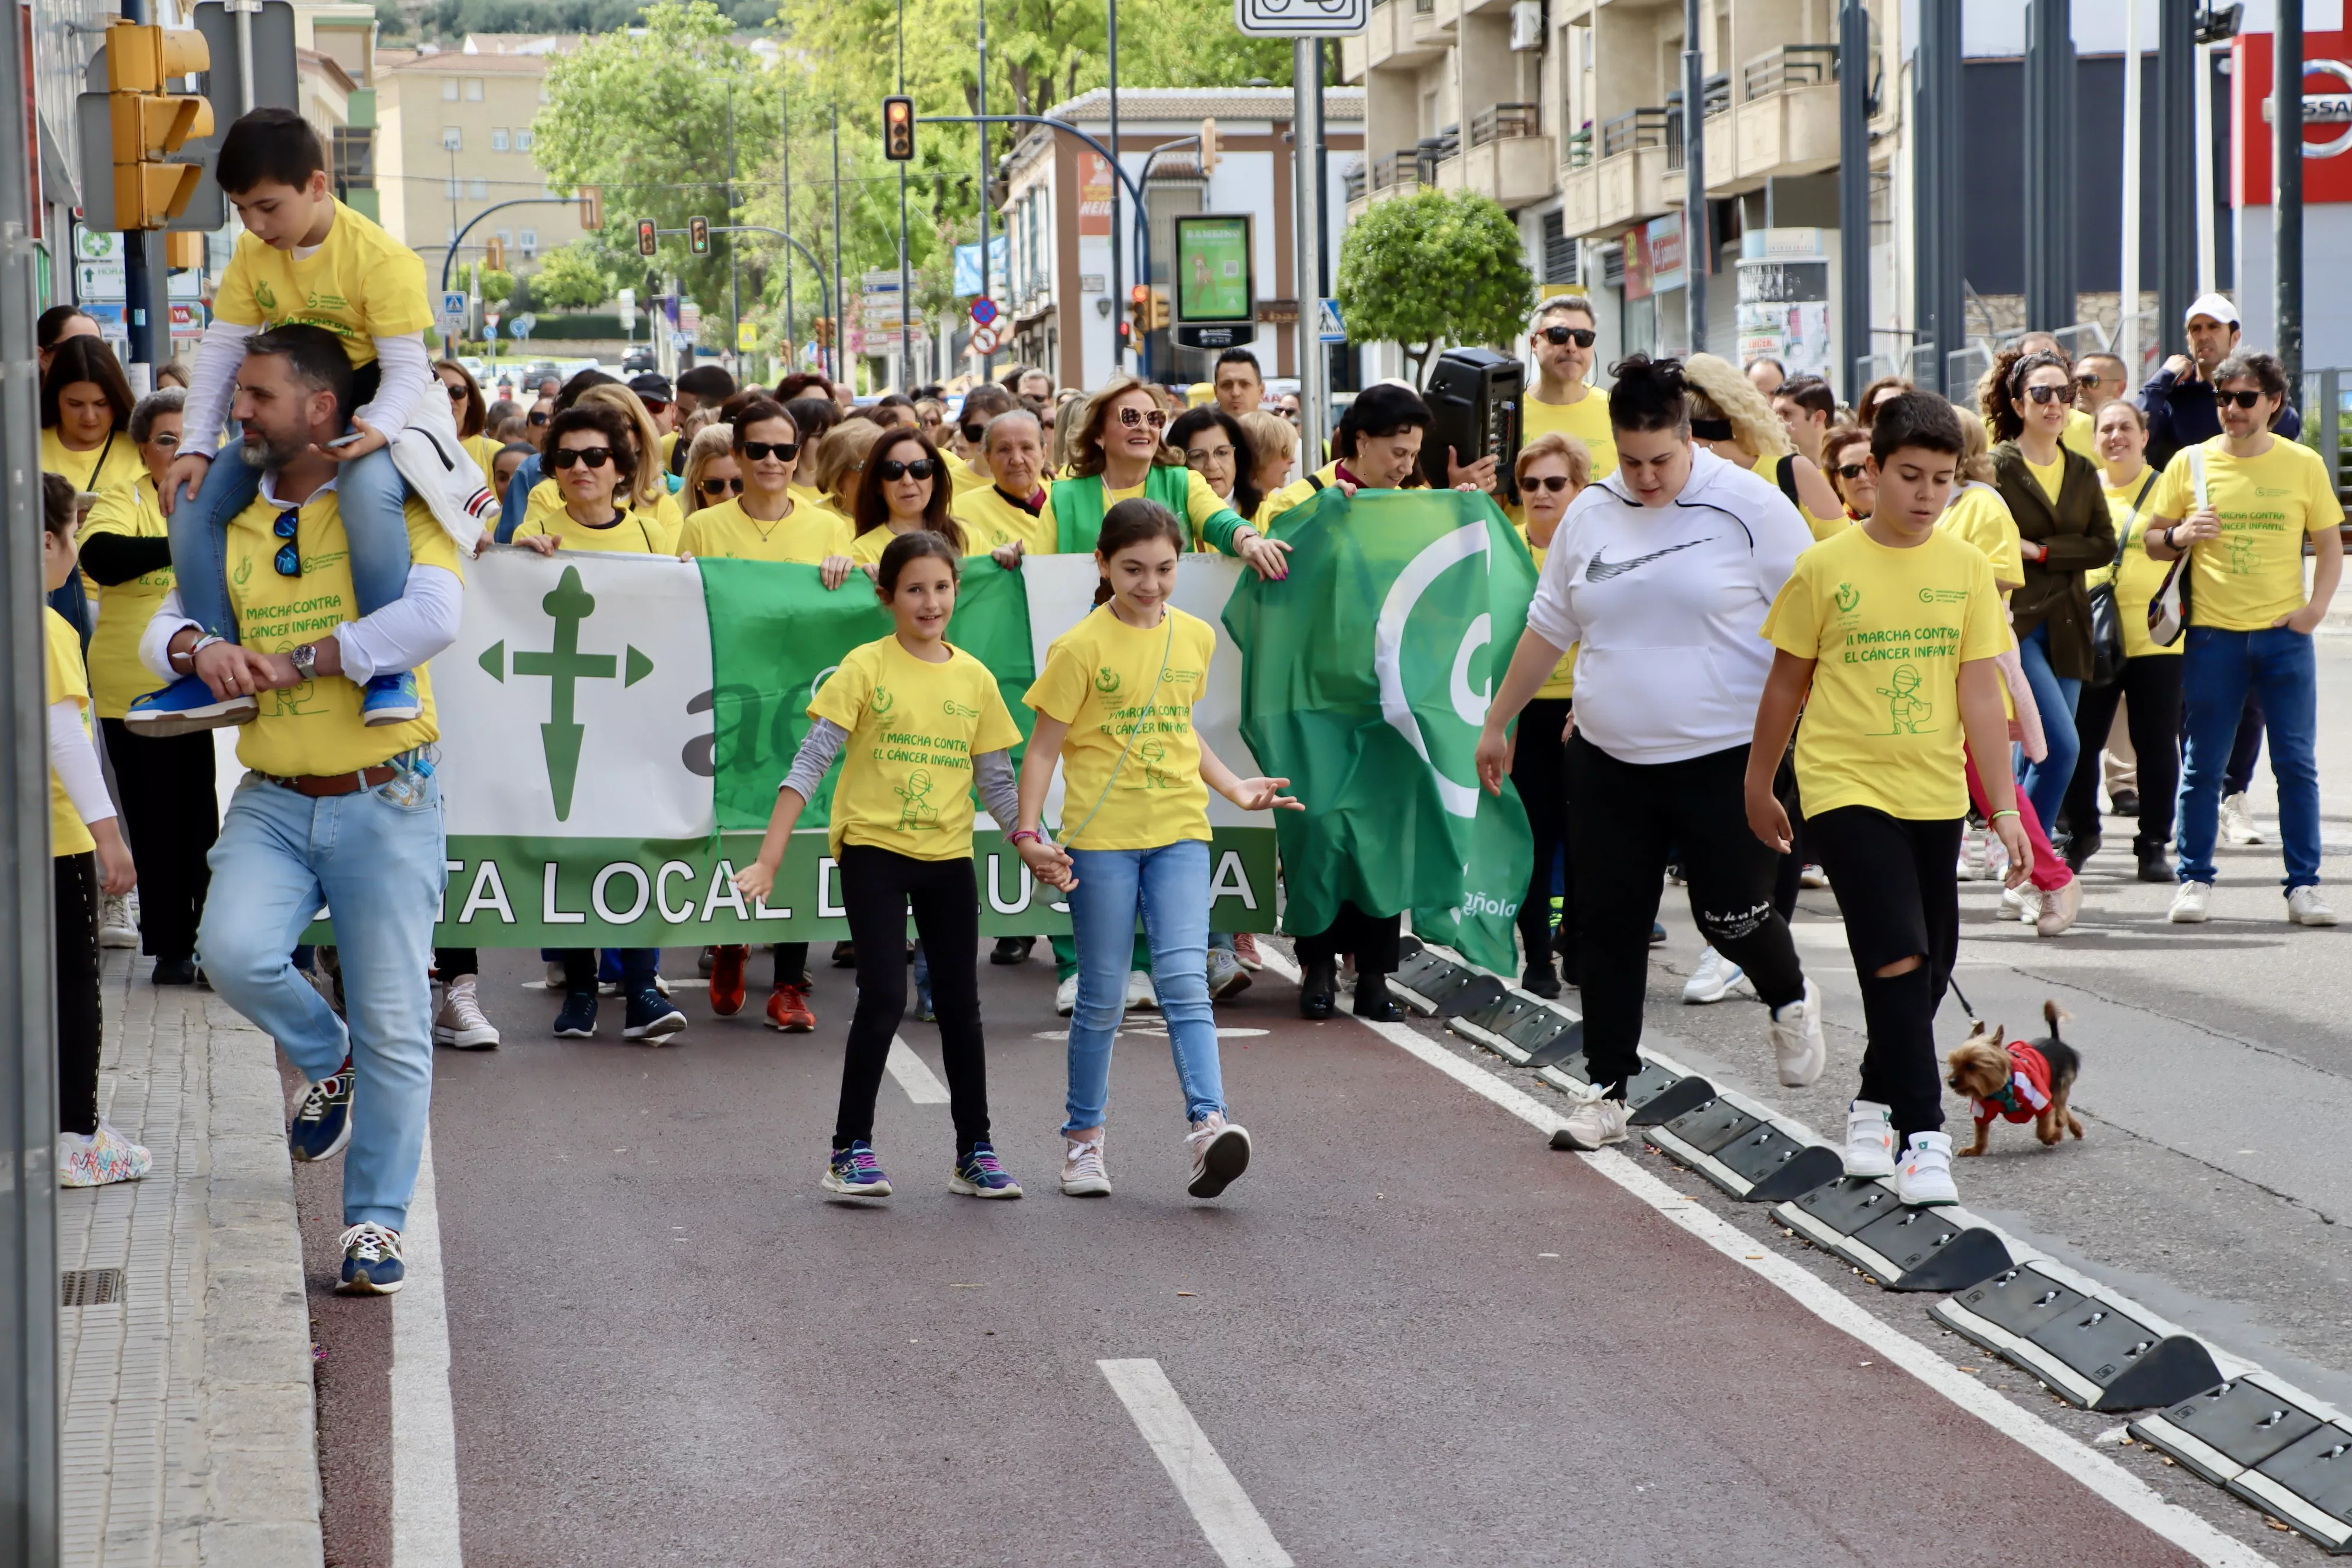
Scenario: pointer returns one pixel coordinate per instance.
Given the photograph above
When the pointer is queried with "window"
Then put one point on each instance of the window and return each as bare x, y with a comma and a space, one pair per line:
529, 242
354, 159
506, 237
473, 90
452, 140
480, 190
497, 138
1559, 251
522, 140
449, 89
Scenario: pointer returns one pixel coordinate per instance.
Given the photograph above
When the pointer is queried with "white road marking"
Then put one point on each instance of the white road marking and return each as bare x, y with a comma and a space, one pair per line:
423, 1425
1227, 1518
2129, 1494
914, 1075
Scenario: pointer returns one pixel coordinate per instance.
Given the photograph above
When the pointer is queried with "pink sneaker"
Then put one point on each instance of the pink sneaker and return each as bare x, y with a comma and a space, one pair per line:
1245, 950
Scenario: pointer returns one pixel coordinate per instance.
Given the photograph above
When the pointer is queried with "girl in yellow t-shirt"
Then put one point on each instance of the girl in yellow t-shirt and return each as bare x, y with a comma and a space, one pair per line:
1114, 707
919, 725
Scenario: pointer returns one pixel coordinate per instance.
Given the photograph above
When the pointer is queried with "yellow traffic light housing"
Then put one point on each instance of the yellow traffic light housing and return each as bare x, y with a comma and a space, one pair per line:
1208, 152
647, 240
698, 236
148, 123
898, 130
498, 254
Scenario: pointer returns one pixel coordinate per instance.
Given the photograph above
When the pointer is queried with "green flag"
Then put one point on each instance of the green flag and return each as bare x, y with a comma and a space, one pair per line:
1365, 676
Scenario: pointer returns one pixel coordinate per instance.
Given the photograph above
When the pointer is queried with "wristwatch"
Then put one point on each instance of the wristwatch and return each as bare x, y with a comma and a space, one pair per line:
305, 660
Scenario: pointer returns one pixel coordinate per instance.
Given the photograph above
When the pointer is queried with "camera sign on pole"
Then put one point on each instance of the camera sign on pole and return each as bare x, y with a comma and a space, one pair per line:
1302, 18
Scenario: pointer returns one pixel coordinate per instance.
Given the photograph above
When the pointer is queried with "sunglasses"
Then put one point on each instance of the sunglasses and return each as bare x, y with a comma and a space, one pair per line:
653, 404
1581, 336
288, 559
893, 469
717, 488
537, 419
2087, 380
1131, 418
1555, 483
2242, 399
1852, 471
564, 457
972, 433
456, 393
782, 451
2050, 393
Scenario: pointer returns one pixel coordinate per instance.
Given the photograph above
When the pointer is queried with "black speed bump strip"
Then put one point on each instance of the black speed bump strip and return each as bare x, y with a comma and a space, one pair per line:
2088, 1346
1741, 1146
2270, 1444
1860, 1220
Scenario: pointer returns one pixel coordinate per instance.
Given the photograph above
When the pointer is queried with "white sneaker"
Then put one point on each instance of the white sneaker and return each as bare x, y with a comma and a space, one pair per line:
2060, 908
460, 1021
1226, 976
1596, 1121
116, 926
1924, 1177
1797, 1043
1976, 859
1869, 1139
1141, 992
2013, 900
1221, 1151
555, 980
100, 1159
1083, 1173
2308, 907
1812, 876
1713, 980
2029, 905
1065, 996
2238, 821
2190, 903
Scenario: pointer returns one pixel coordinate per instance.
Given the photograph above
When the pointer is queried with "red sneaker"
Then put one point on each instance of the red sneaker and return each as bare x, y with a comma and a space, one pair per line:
788, 1010
727, 980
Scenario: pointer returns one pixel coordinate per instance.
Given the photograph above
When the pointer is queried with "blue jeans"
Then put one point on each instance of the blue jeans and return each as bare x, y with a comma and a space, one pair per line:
378, 867
2055, 695
370, 496
2218, 669
1169, 887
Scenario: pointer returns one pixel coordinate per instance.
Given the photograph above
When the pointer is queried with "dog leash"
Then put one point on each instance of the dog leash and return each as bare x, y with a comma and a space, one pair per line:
1963, 997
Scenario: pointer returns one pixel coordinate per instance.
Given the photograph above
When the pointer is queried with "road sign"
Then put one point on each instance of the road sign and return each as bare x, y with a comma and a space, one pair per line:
747, 336
983, 340
453, 313
983, 312
522, 325
1302, 18
490, 323
1329, 327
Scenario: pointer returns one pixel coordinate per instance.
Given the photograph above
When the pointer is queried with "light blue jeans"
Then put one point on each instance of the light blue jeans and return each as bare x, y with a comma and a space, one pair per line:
2056, 696
1169, 886
370, 497
378, 867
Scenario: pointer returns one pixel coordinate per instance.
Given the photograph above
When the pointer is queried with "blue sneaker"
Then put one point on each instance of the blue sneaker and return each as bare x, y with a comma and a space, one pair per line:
980, 1175
577, 1018
854, 1173
392, 699
924, 1011
651, 1017
323, 1122
184, 707
371, 1265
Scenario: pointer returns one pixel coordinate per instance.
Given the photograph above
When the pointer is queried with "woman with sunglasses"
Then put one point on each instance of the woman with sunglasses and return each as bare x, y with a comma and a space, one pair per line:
710, 471
592, 448
473, 413
1216, 448
902, 490
1564, 402
1119, 452
1552, 470
1730, 418
2061, 509
1845, 459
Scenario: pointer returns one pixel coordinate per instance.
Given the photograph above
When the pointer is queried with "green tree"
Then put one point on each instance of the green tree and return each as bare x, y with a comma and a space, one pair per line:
498, 287
1431, 268
575, 277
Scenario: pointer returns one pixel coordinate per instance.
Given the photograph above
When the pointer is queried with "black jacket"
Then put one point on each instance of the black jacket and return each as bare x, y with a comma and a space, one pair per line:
2079, 534
2180, 413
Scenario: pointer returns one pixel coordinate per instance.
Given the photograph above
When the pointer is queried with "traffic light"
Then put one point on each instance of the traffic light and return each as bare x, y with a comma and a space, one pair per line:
648, 239
498, 254
147, 121
1209, 153
1156, 312
698, 236
898, 128
1138, 311
592, 209
821, 330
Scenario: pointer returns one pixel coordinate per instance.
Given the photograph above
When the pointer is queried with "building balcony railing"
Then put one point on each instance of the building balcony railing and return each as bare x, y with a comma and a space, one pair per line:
1424, 7
1635, 128
1502, 120
1355, 181
1406, 167
1580, 149
1790, 66
1715, 94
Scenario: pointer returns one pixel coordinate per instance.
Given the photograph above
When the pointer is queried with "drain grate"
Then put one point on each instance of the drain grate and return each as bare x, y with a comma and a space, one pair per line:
90, 1287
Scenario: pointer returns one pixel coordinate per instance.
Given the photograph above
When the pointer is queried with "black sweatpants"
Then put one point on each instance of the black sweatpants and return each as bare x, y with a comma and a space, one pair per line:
1371, 938
1629, 816
77, 1010
165, 788
878, 887
1896, 885
1540, 770
2152, 683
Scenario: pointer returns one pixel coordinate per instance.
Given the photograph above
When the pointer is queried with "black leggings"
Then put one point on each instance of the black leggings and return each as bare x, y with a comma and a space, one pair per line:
77, 1008
2152, 683
1896, 885
1629, 818
1540, 769
877, 888
1788, 880
1371, 938
171, 816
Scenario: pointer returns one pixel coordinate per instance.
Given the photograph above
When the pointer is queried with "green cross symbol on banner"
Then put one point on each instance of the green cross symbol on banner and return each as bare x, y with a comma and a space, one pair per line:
565, 665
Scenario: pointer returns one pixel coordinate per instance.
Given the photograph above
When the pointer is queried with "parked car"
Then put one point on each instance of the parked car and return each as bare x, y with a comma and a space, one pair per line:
638, 362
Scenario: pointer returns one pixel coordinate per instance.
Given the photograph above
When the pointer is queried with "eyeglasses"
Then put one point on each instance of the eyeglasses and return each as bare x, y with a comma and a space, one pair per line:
1131, 418
972, 433
2087, 380
782, 451
538, 417
2049, 394
564, 457
2243, 399
1852, 471
893, 469
456, 391
164, 439
653, 404
1581, 336
288, 559
1201, 456
1555, 483
714, 488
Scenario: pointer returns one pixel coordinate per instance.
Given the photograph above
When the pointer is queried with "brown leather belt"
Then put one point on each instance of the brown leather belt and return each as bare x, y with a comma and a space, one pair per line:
320, 785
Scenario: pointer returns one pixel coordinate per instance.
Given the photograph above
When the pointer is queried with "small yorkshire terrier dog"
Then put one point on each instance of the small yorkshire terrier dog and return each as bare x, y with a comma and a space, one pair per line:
2018, 1082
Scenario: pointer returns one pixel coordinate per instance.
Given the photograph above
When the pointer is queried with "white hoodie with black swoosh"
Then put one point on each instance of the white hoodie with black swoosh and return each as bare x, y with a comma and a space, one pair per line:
1665, 604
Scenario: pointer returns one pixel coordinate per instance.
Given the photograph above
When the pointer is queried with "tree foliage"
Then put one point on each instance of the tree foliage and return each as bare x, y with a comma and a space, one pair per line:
577, 277
1434, 267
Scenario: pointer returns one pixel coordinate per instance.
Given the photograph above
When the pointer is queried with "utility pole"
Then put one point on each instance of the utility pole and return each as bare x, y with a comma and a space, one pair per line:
1853, 194
1119, 315
840, 284
2129, 323
784, 124
988, 360
2178, 57
143, 271
1698, 249
905, 273
1937, 239
1306, 267
2286, 188
2050, 165
734, 276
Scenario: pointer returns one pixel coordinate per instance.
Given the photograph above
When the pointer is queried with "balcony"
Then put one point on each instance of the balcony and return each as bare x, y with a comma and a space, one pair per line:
1788, 122
1580, 149
1635, 129
1516, 171
1355, 181
1790, 66
1406, 168
1715, 94
1637, 148
1393, 39
1503, 121
1433, 21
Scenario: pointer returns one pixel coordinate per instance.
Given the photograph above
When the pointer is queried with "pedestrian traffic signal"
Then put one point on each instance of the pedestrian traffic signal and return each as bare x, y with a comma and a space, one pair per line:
698, 236
148, 123
898, 128
647, 238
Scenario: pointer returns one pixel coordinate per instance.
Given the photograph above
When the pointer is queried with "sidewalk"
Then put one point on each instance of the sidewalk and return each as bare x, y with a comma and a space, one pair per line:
189, 1433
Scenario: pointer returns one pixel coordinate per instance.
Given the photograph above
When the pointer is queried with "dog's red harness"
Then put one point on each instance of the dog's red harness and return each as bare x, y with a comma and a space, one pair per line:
2026, 1094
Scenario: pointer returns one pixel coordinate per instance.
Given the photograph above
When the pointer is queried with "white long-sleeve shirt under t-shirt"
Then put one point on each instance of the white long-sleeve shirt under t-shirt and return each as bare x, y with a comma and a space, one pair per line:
1663, 606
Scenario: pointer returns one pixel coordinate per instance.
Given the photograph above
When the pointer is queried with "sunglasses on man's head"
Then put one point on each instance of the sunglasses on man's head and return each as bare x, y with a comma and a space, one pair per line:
1581, 336
1555, 483
1131, 418
893, 469
783, 451
2243, 399
2050, 393
594, 457
717, 488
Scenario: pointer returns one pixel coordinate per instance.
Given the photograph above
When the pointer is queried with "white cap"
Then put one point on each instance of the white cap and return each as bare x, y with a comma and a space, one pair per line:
2217, 306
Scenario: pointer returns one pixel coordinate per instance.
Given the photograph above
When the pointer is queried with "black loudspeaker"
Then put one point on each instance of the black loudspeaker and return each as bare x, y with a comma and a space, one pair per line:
1474, 395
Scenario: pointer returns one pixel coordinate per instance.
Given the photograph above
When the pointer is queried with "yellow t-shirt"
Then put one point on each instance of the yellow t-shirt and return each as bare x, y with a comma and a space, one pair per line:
669, 446
1561, 683
806, 535
316, 728
2141, 574
2051, 475
809, 495
121, 464
117, 679
1094, 680
360, 284
2077, 436
914, 729
866, 548
1201, 504
963, 474
1890, 629
2252, 574
665, 518
484, 450
1773, 470
68, 835
1587, 419
1298, 492
1977, 514
993, 520
631, 532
